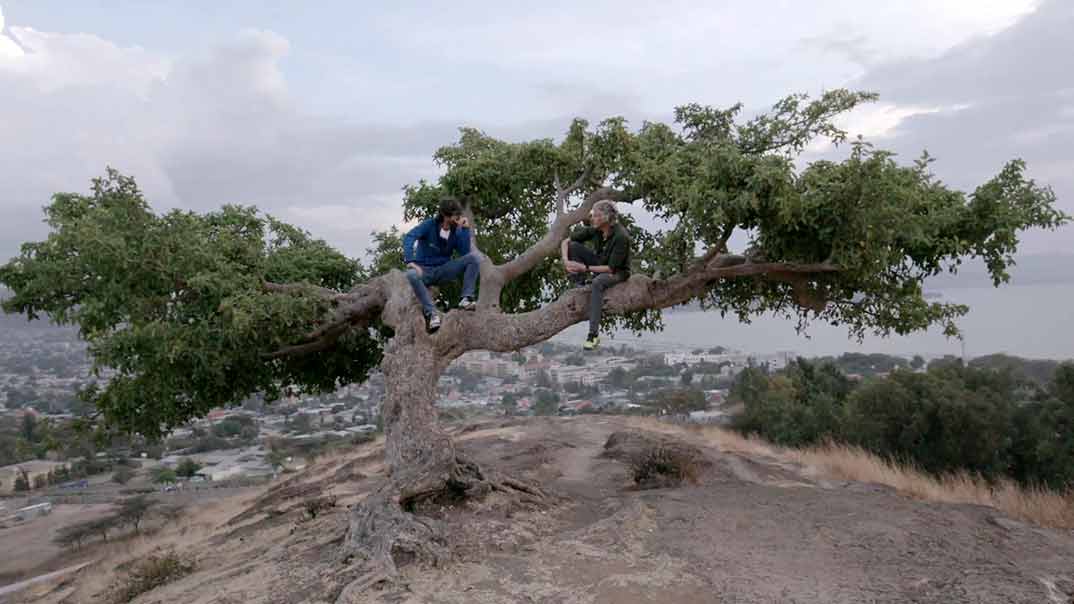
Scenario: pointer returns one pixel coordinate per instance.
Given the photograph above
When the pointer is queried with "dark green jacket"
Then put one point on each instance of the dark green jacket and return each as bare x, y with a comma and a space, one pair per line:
613, 251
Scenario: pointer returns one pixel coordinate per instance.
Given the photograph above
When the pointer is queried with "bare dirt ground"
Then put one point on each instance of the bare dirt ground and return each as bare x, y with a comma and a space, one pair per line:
28, 549
29, 544
753, 530
17, 587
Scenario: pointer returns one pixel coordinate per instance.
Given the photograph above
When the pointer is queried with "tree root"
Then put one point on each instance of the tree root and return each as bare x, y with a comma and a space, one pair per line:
394, 527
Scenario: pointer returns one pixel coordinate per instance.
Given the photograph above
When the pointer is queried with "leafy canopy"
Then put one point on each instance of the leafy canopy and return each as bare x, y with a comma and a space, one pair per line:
173, 307
173, 304
887, 226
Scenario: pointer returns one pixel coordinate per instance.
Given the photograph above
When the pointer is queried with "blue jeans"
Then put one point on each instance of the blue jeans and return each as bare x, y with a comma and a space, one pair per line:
467, 266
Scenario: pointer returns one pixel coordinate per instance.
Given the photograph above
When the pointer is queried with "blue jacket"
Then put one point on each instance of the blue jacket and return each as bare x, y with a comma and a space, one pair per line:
431, 249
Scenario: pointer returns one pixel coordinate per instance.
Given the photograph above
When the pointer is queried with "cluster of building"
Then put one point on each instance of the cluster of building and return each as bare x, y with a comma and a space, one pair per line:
489, 364
248, 462
731, 362
45, 365
580, 384
517, 375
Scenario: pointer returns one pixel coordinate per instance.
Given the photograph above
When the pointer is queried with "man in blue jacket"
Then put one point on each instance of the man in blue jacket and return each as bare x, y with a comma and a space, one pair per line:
427, 251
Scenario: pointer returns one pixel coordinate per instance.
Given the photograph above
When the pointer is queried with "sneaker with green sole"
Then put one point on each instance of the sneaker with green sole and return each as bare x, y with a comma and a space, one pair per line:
591, 343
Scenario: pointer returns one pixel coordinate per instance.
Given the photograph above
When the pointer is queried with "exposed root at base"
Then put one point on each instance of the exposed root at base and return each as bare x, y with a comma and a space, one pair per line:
389, 530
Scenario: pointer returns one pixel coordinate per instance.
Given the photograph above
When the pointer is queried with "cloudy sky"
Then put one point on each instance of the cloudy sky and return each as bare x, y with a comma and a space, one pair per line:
321, 112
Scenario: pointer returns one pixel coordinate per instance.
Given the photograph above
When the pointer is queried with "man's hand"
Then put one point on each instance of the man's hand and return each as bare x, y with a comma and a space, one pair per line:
574, 267
416, 268
463, 221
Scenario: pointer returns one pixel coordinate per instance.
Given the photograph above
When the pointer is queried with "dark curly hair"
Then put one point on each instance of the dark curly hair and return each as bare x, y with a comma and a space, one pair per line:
449, 207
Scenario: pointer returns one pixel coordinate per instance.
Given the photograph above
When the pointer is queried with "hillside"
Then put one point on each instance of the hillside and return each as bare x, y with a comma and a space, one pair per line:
755, 528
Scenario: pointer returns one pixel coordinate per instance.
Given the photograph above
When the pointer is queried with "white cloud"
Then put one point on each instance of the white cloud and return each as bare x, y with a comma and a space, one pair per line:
1004, 96
878, 121
663, 54
196, 131
8, 48
351, 224
52, 62
221, 124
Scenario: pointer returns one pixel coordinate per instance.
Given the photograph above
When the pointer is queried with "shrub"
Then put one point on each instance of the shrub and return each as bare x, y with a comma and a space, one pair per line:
187, 467
123, 475
664, 466
318, 505
163, 475
156, 570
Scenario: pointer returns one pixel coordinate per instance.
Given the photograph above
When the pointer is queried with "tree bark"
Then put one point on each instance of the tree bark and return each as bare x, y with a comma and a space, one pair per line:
388, 529
412, 431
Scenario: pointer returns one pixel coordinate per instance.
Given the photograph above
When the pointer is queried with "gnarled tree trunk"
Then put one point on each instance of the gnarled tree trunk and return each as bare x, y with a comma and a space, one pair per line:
413, 434
388, 530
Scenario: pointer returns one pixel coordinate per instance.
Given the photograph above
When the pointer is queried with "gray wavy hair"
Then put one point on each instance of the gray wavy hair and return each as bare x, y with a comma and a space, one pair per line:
608, 209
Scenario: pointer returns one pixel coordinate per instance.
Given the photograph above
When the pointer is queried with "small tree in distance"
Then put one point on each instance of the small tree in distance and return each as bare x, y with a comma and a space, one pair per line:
187, 467
163, 475
134, 509
509, 404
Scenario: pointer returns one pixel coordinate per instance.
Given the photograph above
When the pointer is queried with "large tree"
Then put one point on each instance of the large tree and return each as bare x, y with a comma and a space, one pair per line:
196, 311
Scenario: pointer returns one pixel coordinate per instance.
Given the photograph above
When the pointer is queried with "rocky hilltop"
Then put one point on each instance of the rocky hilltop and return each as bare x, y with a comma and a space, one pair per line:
727, 525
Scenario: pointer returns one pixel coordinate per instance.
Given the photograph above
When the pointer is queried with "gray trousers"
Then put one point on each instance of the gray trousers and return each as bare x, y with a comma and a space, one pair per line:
580, 253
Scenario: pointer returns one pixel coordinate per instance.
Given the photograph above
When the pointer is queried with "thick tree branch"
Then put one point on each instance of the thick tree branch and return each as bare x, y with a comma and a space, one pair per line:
506, 332
719, 248
549, 244
356, 308
324, 342
563, 194
728, 230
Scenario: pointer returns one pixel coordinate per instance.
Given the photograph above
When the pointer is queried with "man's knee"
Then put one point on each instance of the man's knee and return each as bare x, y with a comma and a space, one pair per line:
412, 276
604, 281
471, 258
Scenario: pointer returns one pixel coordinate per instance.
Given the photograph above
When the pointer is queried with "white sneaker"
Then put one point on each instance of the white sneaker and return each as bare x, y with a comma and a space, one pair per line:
434, 323
467, 303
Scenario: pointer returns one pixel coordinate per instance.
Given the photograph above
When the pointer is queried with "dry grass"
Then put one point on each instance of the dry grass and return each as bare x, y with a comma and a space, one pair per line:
159, 568
842, 462
1035, 505
187, 533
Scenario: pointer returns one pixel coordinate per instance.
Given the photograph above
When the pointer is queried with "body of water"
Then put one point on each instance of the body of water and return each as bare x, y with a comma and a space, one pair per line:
1033, 321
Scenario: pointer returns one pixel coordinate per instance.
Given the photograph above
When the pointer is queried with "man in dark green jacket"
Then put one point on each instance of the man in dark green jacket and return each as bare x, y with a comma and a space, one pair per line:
609, 260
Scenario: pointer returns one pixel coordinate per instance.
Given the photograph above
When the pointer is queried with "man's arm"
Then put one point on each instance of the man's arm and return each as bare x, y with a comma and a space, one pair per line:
580, 235
583, 234
462, 240
410, 238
